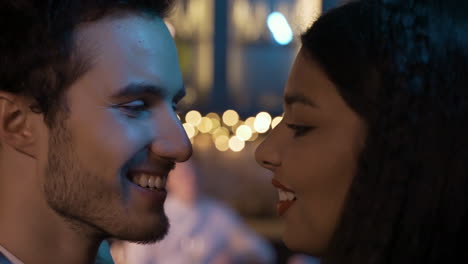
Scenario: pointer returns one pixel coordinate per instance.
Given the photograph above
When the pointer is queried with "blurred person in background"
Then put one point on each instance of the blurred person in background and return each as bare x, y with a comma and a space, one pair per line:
203, 230
370, 158
302, 259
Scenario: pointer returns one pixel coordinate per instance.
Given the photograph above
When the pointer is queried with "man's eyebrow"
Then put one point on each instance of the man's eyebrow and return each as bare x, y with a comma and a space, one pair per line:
140, 89
290, 99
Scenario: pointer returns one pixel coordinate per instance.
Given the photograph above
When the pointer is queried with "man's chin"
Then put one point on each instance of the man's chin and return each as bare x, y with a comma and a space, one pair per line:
147, 234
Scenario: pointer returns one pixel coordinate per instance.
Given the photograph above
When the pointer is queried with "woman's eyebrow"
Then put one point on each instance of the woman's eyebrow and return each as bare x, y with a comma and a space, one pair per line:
290, 99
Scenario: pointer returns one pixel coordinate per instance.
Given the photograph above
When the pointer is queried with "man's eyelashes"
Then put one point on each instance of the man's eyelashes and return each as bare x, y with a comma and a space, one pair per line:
139, 108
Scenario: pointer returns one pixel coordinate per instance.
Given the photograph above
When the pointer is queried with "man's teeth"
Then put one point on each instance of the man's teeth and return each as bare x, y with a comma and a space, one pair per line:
285, 195
149, 181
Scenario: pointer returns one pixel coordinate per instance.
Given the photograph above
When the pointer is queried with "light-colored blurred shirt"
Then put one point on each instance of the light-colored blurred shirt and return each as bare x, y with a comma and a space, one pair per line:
9, 256
302, 259
206, 233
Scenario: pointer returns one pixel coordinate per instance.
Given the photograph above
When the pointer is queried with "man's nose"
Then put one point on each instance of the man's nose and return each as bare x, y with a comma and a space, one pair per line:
172, 142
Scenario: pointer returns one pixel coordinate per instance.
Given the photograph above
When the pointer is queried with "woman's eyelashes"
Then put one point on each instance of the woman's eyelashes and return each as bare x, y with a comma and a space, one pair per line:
300, 130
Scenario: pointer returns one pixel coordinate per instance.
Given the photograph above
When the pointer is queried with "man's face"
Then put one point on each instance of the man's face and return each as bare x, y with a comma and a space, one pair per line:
121, 133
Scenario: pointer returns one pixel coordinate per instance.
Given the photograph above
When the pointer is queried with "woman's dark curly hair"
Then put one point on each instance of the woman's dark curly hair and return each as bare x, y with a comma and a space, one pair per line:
403, 66
38, 56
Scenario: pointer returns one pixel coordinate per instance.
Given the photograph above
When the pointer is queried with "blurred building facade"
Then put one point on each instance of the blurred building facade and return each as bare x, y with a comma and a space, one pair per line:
235, 56
232, 57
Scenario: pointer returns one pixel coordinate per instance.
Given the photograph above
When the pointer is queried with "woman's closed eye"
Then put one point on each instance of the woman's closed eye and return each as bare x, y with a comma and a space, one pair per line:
300, 130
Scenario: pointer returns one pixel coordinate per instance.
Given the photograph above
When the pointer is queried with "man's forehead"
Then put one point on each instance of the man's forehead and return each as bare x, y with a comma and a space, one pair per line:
130, 50
132, 30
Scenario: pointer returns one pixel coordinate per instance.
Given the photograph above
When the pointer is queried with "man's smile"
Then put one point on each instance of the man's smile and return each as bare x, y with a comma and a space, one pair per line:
149, 181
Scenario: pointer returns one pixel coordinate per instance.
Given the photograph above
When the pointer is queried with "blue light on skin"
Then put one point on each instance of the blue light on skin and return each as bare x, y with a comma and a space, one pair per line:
279, 27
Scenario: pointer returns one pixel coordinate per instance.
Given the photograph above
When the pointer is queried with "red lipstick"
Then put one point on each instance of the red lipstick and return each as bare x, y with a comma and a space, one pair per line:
282, 205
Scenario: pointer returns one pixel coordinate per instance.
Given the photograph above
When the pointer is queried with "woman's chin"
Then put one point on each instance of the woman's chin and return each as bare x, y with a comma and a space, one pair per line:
303, 245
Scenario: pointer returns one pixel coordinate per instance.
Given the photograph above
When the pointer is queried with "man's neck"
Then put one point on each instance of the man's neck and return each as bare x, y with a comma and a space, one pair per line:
34, 233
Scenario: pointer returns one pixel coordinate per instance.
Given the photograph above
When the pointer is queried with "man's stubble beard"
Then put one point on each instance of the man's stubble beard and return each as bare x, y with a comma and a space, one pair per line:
80, 196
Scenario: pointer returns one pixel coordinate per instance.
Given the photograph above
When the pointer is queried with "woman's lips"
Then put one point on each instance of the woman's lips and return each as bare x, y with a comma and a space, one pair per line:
286, 197
283, 206
279, 185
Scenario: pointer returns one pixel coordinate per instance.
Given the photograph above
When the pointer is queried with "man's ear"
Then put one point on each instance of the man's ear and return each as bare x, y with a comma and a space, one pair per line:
15, 126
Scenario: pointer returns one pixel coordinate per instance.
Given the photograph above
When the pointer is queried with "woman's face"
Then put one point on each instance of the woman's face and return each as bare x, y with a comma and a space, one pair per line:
313, 155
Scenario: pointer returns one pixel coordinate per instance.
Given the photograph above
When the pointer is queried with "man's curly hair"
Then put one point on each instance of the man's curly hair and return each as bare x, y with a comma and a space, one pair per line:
38, 55
402, 65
